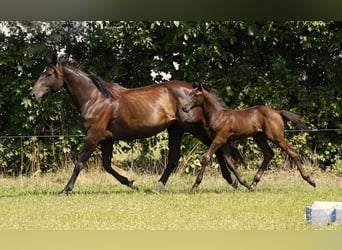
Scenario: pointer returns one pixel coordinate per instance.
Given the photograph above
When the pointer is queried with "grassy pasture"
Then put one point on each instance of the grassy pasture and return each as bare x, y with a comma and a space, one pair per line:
100, 202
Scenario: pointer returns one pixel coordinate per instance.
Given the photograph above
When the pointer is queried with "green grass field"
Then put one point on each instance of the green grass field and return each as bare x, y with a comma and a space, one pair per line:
100, 202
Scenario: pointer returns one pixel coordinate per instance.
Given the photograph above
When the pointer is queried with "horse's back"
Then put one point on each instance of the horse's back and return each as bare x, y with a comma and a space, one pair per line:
157, 106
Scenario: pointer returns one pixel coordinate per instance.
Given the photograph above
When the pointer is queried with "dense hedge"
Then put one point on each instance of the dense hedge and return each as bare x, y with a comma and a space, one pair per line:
288, 65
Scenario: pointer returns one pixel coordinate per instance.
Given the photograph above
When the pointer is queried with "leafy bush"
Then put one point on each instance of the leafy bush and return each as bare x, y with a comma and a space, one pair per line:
288, 65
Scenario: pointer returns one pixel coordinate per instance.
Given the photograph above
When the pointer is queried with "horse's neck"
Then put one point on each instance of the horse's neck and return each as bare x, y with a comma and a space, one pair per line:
78, 86
211, 106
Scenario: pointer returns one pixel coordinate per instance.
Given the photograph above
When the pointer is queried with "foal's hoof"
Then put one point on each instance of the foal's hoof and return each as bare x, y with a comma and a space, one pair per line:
160, 186
133, 185
235, 184
252, 187
308, 180
312, 183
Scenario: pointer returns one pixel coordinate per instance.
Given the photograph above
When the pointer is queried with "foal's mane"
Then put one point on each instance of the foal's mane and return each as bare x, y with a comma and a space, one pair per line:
100, 84
215, 93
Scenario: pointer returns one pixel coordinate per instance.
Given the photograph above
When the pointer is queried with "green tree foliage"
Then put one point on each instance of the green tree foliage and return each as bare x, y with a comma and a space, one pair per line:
288, 65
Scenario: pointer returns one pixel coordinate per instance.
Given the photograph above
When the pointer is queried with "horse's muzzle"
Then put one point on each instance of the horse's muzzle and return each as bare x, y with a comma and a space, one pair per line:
33, 96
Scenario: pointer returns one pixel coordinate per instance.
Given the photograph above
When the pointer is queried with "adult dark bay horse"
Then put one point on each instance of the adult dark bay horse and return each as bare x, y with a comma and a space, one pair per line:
111, 112
261, 122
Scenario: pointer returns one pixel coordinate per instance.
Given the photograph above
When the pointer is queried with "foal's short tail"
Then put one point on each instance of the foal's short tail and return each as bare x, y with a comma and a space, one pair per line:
296, 119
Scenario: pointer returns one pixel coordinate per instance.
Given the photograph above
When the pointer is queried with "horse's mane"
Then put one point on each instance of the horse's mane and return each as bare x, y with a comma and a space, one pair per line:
215, 93
99, 83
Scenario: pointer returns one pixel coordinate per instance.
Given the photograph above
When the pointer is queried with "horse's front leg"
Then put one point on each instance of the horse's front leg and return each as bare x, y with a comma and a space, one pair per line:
215, 145
88, 148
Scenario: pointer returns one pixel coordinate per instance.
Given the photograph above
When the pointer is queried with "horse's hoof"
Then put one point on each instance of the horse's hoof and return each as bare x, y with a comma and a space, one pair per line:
133, 185
63, 193
194, 189
160, 186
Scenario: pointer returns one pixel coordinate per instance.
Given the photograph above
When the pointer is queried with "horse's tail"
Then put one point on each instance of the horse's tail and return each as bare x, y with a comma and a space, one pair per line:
296, 119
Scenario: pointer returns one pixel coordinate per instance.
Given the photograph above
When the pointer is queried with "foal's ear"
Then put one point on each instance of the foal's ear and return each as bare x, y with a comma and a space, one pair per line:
48, 60
200, 87
194, 85
54, 59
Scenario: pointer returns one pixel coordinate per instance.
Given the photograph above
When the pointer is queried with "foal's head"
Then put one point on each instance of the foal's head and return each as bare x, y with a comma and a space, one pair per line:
50, 80
194, 99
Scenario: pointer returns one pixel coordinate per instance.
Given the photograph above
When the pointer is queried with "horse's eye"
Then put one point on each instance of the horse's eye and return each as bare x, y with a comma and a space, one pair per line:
48, 75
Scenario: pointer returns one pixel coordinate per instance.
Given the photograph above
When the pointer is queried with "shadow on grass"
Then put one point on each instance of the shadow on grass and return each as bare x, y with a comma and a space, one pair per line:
116, 191
96, 189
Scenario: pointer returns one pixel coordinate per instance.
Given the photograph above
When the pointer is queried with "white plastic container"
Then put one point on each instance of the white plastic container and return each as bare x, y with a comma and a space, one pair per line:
338, 214
324, 213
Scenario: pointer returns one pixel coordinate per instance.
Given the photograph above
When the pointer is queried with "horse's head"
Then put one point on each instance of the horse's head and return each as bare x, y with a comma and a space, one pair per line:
50, 80
195, 98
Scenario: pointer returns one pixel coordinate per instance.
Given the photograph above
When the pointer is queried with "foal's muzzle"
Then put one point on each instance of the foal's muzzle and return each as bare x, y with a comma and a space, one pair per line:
186, 109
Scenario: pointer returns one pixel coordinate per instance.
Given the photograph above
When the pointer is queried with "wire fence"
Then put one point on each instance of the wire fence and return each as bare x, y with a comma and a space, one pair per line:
37, 136
68, 136
29, 153
32, 153
314, 130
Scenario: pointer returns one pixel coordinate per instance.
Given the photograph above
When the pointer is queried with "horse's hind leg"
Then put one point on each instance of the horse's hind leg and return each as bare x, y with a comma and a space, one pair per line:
175, 135
107, 149
295, 156
268, 154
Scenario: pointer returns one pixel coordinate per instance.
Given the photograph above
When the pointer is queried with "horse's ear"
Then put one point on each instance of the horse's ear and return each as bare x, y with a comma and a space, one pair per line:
200, 87
52, 60
194, 85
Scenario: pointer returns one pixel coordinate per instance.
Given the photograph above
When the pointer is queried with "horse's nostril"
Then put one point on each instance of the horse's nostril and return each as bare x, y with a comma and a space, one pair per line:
33, 96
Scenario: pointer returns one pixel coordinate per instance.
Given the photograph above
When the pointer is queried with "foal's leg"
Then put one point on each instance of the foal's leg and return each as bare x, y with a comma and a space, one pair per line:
221, 156
90, 145
268, 153
203, 135
227, 156
224, 169
215, 145
295, 156
107, 149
